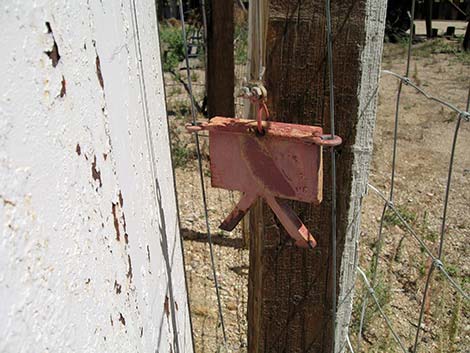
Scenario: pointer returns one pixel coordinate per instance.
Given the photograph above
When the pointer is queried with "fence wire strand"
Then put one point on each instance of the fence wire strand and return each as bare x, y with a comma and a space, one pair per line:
422, 244
201, 176
437, 262
350, 347
379, 307
329, 33
406, 80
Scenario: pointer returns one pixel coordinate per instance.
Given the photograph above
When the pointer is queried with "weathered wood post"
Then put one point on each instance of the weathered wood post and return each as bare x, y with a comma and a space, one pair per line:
289, 307
220, 60
428, 14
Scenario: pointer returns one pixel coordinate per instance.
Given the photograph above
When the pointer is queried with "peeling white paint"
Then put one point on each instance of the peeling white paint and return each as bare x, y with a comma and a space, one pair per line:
90, 253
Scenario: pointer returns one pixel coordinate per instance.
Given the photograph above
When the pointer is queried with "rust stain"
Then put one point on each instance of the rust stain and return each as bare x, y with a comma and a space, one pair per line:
105, 156
117, 287
53, 54
122, 319
124, 224
98, 71
166, 306
63, 89
148, 253
129, 271
7, 202
121, 200
116, 222
78, 149
111, 320
95, 173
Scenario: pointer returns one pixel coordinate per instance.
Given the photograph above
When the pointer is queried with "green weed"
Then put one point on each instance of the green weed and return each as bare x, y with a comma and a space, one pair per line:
180, 156
172, 46
392, 219
443, 46
241, 44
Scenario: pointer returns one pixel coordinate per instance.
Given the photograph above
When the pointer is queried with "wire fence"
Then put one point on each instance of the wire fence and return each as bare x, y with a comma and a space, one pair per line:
369, 281
201, 174
389, 204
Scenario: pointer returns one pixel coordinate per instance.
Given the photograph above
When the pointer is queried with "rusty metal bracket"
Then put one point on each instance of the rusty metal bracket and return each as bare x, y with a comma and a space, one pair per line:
283, 163
257, 94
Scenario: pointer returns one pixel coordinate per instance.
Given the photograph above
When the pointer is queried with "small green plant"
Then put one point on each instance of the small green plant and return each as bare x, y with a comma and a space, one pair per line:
180, 152
455, 323
415, 75
175, 91
452, 270
171, 40
180, 106
180, 156
408, 106
172, 47
241, 44
382, 291
443, 46
392, 219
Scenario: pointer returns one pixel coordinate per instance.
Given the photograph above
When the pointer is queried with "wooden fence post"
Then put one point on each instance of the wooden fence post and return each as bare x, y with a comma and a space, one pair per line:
428, 14
289, 306
220, 60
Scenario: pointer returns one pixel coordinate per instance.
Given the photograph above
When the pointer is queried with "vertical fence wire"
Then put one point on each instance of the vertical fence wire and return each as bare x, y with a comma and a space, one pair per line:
329, 34
201, 176
438, 261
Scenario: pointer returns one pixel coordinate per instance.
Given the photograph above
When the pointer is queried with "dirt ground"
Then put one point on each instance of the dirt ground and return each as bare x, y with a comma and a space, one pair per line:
424, 141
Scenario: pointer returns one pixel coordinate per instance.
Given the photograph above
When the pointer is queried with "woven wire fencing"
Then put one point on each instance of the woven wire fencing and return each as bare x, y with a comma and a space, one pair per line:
412, 285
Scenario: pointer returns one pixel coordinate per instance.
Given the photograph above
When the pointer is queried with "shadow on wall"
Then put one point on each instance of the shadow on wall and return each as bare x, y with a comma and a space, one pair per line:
169, 302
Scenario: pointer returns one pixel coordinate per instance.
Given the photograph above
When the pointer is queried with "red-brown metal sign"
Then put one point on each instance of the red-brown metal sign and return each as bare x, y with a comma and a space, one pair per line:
284, 162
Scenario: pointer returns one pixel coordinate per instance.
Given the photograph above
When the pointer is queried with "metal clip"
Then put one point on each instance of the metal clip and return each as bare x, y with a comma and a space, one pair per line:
257, 94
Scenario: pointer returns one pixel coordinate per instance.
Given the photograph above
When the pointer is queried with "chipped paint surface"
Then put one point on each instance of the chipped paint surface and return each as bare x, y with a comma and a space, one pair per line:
90, 254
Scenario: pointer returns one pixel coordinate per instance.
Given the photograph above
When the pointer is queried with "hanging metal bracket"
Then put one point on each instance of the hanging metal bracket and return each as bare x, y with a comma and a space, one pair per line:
283, 163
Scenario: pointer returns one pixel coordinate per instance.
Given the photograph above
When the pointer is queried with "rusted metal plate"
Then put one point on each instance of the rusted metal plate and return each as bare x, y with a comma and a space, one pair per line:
285, 162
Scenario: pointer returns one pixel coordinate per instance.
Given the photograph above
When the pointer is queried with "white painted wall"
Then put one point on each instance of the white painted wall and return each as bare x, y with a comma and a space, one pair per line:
90, 253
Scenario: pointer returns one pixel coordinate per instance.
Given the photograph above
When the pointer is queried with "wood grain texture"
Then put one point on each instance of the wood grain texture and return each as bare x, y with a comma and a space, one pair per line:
289, 307
220, 60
